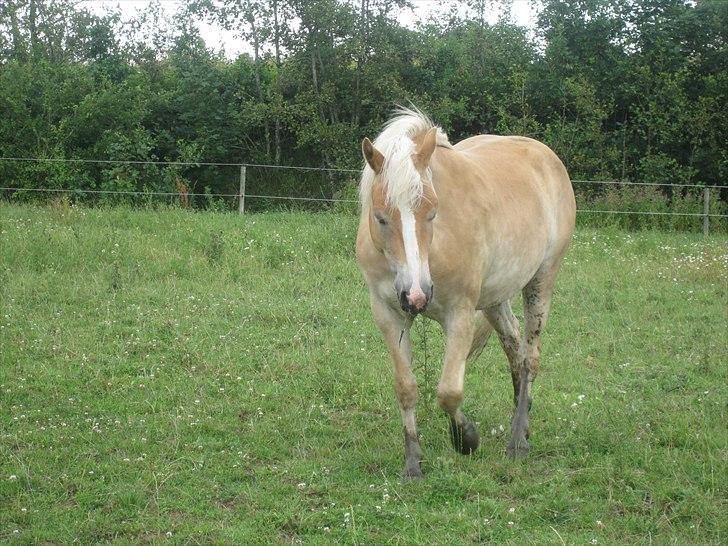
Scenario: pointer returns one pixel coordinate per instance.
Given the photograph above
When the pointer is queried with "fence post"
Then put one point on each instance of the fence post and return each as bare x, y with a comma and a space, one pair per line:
706, 211
241, 204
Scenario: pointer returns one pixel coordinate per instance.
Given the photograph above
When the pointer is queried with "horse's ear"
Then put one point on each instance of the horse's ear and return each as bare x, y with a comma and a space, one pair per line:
427, 146
373, 156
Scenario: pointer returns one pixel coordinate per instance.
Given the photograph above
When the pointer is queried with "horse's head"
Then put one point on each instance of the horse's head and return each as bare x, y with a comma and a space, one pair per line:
401, 209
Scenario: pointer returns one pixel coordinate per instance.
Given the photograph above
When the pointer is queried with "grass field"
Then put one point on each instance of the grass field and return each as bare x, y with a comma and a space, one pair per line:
168, 376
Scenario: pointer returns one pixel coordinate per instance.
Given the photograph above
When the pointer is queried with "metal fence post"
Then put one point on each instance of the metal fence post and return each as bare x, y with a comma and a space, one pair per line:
241, 204
706, 211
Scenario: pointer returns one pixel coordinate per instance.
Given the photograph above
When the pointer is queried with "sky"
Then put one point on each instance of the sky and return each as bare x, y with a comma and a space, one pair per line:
219, 39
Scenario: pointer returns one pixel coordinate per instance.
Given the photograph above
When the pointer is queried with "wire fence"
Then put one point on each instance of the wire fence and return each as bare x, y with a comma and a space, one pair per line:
242, 195
175, 163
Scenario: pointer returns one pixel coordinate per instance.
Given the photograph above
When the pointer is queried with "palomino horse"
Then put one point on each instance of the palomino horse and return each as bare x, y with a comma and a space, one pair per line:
454, 232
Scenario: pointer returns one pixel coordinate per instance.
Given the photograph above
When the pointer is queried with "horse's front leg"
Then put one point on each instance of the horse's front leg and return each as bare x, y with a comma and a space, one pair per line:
395, 328
459, 329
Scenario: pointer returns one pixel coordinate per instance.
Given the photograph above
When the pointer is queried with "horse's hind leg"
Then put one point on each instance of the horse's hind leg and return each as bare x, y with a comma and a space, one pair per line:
506, 325
536, 303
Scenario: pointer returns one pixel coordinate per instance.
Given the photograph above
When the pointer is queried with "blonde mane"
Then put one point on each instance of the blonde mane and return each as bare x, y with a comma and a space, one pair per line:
403, 187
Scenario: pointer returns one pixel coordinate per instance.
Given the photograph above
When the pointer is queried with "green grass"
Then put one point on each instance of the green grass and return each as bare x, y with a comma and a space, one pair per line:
196, 377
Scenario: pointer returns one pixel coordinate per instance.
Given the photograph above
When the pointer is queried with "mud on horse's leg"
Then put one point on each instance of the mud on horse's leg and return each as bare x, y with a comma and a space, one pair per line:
505, 323
536, 303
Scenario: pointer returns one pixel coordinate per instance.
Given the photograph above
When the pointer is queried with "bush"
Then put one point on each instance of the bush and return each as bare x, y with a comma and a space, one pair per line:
651, 208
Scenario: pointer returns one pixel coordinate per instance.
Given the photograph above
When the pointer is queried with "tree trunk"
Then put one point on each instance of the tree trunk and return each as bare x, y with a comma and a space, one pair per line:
314, 80
279, 91
18, 48
333, 113
363, 16
33, 24
258, 86
624, 148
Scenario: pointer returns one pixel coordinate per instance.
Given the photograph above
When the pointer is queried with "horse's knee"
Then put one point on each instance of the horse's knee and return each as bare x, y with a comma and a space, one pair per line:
449, 398
406, 390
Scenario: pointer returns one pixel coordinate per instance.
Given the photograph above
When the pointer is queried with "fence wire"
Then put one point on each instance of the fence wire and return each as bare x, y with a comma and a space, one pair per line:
177, 163
318, 199
305, 168
306, 198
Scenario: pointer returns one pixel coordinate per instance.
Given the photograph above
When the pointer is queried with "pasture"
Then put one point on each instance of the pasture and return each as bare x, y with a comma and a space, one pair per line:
168, 376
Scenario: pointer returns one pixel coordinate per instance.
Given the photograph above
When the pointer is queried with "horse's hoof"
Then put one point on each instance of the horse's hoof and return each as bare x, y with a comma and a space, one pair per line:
411, 472
517, 449
465, 438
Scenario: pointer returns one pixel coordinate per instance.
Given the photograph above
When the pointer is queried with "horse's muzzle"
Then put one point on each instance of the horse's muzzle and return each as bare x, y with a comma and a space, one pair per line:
414, 302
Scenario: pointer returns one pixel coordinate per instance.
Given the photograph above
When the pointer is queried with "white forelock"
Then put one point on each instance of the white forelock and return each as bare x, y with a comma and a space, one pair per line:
402, 184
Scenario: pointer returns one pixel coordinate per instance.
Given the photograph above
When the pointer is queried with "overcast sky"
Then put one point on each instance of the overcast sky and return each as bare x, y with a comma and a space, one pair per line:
219, 39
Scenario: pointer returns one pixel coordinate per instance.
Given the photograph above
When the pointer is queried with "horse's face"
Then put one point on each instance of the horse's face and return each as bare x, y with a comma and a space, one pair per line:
404, 236
403, 233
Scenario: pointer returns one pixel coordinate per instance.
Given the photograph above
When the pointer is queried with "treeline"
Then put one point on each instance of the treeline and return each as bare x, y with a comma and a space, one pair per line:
621, 89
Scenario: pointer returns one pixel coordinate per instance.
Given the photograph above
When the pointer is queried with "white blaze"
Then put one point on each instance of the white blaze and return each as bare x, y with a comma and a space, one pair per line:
411, 248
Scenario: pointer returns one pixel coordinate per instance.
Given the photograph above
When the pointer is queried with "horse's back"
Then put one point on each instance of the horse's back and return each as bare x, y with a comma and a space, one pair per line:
502, 154
525, 170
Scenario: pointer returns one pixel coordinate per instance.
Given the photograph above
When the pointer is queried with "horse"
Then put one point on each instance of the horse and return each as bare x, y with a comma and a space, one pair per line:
454, 232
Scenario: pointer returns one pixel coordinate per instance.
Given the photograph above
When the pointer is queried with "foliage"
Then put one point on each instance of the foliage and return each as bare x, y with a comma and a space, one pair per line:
620, 89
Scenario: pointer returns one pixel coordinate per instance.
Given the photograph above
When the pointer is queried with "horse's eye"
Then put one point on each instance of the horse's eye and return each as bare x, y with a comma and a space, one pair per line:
381, 220
431, 216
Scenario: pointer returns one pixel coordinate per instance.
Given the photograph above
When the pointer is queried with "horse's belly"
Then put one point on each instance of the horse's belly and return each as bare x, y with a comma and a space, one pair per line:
504, 282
